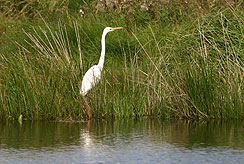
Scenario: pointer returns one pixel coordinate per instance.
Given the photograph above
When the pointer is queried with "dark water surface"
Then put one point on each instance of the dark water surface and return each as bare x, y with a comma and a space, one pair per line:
122, 141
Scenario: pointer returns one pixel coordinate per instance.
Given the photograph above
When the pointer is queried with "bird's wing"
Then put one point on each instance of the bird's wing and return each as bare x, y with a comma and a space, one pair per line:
90, 79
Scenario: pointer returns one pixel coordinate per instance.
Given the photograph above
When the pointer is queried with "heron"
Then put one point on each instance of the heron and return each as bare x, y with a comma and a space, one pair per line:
93, 75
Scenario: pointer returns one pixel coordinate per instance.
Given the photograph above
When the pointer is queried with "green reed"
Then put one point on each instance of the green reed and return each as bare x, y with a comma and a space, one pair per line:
186, 69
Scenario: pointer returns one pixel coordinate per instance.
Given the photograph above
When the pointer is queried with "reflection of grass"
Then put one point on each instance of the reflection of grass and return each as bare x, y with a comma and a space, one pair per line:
34, 131
182, 133
187, 69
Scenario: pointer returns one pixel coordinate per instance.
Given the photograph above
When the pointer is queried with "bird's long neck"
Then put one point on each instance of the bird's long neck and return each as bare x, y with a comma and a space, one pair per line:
102, 57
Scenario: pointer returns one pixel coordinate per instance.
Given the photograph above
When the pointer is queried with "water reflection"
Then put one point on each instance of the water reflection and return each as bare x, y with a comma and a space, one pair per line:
180, 133
38, 134
112, 132
114, 140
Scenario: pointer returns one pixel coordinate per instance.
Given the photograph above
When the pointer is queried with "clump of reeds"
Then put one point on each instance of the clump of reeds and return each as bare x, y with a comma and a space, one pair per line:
40, 81
203, 82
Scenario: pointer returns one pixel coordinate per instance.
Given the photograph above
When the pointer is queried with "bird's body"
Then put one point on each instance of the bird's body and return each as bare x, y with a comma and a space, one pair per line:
93, 75
91, 78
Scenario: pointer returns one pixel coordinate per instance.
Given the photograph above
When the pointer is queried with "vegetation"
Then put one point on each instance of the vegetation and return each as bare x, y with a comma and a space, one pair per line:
178, 59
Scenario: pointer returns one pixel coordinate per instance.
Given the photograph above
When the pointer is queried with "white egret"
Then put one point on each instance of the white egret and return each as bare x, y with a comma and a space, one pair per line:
93, 75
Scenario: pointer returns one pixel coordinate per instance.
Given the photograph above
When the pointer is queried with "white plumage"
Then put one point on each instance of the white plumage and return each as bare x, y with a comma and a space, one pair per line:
93, 75
91, 78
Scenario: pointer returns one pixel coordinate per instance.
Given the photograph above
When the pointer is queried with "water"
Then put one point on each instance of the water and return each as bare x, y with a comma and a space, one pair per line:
122, 141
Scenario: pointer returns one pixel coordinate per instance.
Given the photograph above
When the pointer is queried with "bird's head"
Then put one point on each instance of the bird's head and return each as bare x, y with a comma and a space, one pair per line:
110, 29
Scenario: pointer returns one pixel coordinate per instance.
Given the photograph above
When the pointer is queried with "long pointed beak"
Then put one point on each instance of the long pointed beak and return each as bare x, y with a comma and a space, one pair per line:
117, 28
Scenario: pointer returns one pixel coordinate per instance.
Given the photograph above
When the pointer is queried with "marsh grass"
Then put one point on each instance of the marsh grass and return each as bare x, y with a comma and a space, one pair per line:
37, 78
193, 70
31, 9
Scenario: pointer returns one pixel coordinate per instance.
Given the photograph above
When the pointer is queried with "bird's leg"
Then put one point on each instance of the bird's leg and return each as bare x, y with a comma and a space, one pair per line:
88, 108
